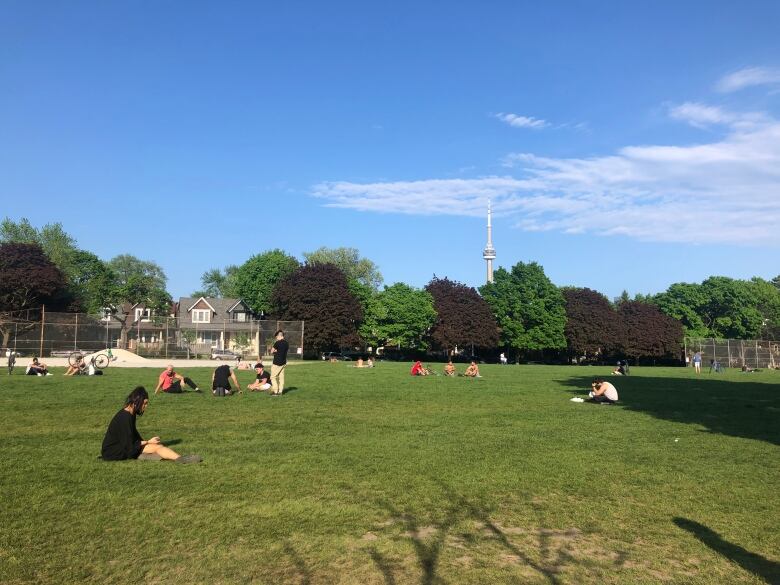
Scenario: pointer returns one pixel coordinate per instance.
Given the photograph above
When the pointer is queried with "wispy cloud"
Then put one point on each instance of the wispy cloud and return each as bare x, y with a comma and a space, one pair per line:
723, 191
521, 121
704, 116
748, 77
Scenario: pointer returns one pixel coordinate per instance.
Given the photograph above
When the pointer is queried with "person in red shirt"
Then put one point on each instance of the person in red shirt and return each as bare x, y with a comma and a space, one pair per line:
418, 369
170, 382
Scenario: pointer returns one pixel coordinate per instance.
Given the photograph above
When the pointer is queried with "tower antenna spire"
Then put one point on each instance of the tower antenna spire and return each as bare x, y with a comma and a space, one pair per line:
489, 253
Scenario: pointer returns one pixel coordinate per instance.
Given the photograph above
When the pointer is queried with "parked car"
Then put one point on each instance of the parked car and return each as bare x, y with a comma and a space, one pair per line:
334, 355
224, 354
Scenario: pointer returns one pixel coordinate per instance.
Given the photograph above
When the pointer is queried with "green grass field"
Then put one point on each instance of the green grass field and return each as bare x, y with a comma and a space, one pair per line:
374, 477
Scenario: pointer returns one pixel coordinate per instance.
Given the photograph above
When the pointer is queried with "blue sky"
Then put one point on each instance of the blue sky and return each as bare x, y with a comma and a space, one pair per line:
624, 145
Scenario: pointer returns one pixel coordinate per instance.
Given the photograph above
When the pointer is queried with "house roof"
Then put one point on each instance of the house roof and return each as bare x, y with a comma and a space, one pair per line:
222, 307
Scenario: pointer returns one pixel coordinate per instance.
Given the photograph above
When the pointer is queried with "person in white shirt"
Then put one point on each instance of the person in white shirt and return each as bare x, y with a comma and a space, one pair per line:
603, 392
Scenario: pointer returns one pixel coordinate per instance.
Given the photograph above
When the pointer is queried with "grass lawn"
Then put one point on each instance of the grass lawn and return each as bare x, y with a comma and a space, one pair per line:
374, 477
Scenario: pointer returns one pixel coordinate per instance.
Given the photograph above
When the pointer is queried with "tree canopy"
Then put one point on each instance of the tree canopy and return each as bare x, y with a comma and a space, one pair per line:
644, 331
463, 318
28, 279
351, 264
399, 315
320, 296
219, 283
255, 279
529, 308
591, 322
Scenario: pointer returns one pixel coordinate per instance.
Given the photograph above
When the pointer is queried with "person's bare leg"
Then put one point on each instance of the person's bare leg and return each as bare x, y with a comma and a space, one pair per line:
161, 450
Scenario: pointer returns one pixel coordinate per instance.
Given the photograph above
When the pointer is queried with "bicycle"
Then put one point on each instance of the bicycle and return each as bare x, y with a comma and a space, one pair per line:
99, 360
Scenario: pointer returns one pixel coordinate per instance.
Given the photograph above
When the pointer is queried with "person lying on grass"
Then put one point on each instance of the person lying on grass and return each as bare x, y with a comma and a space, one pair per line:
449, 369
170, 382
602, 391
472, 371
122, 440
263, 381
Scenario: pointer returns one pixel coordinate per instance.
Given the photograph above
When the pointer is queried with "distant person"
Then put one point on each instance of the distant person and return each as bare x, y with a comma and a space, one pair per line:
620, 369
122, 440
170, 382
697, 362
449, 369
603, 392
472, 371
359, 364
11, 355
220, 381
716, 367
37, 368
369, 363
79, 368
279, 349
263, 380
502, 359
418, 369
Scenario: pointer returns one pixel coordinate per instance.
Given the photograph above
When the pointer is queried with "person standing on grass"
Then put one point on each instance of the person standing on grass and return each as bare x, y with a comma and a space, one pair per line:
603, 392
279, 349
171, 382
220, 381
697, 362
122, 440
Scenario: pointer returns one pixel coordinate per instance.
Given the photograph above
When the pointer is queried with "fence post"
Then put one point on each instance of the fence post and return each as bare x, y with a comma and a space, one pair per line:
728, 349
76, 333
43, 325
303, 324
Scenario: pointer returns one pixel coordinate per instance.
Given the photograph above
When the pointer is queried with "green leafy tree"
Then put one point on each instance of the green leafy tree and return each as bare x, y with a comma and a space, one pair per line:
256, 278
776, 281
58, 246
731, 308
463, 318
218, 283
529, 308
768, 305
127, 267
399, 315
320, 296
349, 261
686, 303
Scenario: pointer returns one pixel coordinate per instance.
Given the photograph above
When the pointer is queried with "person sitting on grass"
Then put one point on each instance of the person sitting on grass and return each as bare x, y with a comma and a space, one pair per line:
37, 368
620, 369
79, 368
603, 392
122, 440
263, 381
472, 371
419, 370
220, 381
449, 369
170, 382
369, 363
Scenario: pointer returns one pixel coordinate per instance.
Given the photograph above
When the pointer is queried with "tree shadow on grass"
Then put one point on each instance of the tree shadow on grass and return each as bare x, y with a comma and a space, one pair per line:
740, 409
549, 557
300, 565
754, 563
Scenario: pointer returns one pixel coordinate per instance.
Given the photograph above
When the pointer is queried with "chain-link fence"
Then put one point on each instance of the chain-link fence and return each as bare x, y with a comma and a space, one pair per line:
44, 333
734, 353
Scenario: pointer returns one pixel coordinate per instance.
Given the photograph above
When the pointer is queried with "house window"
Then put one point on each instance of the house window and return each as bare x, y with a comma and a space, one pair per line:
239, 317
201, 316
143, 314
208, 338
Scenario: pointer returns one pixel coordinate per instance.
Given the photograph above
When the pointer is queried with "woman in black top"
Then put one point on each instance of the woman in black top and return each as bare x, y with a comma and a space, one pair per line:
122, 440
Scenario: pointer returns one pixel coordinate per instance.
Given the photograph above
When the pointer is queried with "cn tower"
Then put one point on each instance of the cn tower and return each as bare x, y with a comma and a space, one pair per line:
489, 253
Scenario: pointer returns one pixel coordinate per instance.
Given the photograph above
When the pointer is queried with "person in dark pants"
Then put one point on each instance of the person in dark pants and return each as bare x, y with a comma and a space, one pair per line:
37, 368
11, 361
220, 381
122, 440
170, 382
279, 349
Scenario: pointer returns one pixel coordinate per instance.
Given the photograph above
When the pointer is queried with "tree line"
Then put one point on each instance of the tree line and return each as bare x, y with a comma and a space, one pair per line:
341, 297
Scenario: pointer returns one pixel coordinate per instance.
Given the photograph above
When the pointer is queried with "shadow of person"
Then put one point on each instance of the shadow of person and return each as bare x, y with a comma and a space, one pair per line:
754, 563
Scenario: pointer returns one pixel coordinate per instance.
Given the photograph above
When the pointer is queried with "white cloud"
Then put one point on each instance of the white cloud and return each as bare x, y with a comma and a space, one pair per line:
723, 191
748, 77
703, 116
521, 121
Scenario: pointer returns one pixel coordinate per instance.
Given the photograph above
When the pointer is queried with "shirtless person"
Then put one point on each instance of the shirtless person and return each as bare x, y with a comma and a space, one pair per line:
472, 371
449, 369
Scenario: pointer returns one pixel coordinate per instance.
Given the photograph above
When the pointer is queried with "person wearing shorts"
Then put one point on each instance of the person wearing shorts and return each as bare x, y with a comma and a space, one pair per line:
263, 381
697, 362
